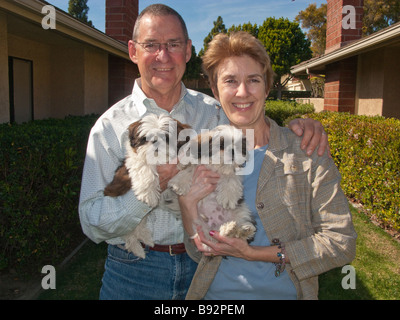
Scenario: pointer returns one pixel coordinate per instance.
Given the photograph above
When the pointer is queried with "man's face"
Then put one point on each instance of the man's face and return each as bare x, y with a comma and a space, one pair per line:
162, 71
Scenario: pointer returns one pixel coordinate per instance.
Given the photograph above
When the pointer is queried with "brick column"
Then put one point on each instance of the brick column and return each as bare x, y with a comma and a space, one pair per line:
121, 16
341, 76
340, 86
336, 35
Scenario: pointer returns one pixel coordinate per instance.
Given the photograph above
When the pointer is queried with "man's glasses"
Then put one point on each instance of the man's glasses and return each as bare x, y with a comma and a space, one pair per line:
154, 47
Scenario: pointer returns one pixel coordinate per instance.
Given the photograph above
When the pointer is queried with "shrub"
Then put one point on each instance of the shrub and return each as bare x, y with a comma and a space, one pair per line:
367, 153
41, 166
289, 95
281, 110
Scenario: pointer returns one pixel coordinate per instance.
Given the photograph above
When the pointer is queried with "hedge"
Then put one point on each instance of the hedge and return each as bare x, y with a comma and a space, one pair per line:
40, 173
367, 152
281, 110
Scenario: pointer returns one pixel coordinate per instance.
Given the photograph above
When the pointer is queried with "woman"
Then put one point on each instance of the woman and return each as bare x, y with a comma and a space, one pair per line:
304, 225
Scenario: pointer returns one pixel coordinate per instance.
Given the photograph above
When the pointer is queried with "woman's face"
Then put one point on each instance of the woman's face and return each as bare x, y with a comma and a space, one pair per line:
242, 91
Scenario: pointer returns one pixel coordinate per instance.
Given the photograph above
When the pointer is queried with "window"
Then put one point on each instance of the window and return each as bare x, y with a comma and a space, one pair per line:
21, 90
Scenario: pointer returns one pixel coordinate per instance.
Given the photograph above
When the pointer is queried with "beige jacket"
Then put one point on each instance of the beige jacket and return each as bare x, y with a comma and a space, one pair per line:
301, 203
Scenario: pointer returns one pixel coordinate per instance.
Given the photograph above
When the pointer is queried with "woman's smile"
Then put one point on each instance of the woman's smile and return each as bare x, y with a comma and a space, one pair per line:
242, 106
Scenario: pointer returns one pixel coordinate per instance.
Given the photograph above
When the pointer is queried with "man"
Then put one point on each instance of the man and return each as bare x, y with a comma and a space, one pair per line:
161, 48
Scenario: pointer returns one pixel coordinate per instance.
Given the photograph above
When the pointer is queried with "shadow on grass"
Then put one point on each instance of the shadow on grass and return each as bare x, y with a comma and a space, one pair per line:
330, 287
81, 278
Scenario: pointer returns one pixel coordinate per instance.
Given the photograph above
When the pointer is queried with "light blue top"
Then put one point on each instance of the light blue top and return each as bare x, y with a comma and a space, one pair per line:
239, 279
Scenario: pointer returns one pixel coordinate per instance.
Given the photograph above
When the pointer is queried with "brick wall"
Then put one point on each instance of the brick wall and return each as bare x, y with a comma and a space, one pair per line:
340, 85
121, 16
341, 76
336, 35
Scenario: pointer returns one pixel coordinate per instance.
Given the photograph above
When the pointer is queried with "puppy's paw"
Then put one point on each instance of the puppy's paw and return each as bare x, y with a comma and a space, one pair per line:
134, 246
179, 186
152, 198
247, 232
225, 200
229, 229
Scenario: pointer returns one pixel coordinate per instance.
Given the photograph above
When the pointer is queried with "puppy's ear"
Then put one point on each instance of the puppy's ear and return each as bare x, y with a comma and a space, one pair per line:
180, 127
135, 140
120, 184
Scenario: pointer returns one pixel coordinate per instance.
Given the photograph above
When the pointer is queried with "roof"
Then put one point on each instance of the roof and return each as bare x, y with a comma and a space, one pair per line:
66, 25
389, 36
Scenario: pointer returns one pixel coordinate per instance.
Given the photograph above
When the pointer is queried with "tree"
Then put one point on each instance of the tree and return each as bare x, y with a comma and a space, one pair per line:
379, 14
193, 67
219, 27
79, 9
314, 19
248, 27
287, 46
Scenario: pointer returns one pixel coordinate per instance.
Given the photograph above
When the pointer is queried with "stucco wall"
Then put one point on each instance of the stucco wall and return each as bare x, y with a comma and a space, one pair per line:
378, 81
391, 94
370, 82
69, 77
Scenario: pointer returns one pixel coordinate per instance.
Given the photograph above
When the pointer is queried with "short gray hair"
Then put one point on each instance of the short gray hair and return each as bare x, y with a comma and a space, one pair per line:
159, 10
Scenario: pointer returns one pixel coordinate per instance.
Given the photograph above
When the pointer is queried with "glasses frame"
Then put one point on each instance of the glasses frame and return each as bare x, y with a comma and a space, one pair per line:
159, 44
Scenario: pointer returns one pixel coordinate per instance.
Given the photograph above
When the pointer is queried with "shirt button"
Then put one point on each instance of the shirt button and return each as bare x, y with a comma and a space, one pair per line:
260, 205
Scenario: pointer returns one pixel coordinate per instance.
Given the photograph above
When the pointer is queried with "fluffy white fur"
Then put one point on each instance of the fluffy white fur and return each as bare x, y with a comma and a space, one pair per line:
223, 210
143, 146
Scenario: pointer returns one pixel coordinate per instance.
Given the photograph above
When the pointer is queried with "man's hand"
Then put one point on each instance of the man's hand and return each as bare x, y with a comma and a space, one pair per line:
313, 134
165, 173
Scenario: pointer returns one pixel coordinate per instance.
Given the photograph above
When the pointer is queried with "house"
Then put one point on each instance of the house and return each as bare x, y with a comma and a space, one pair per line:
362, 73
72, 69
296, 84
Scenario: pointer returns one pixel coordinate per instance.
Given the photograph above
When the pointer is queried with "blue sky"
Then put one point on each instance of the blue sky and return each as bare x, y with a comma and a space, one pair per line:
200, 14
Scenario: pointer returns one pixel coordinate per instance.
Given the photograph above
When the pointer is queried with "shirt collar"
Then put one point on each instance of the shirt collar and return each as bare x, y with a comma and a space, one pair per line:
144, 103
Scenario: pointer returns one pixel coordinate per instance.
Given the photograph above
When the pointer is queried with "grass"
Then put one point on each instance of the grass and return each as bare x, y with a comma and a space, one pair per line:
81, 278
377, 267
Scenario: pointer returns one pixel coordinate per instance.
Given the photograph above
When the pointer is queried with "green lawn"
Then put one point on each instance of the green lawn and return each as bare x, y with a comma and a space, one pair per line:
377, 267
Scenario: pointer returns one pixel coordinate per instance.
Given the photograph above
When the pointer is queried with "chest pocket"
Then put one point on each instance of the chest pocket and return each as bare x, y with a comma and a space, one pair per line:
293, 179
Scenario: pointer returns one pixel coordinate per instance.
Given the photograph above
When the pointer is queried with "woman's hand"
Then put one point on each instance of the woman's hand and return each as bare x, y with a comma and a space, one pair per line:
204, 182
235, 247
225, 246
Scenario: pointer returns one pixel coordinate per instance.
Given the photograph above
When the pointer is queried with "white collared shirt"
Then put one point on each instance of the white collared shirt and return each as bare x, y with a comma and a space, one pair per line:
108, 219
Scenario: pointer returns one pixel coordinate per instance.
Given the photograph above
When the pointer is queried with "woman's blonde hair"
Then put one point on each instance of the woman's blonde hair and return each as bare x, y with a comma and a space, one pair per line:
237, 44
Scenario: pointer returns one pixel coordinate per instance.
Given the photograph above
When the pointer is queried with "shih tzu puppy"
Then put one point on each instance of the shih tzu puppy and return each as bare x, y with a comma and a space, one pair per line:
152, 141
222, 150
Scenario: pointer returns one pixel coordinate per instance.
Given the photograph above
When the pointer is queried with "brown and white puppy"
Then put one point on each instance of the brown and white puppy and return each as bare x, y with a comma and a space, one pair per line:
153, 141
222, 150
